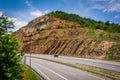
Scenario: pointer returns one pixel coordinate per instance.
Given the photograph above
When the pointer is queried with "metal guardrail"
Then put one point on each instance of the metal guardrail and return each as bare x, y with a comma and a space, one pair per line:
113, 78
38, 74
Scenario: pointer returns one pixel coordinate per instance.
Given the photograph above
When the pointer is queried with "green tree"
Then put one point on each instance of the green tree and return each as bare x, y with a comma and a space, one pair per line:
10, 68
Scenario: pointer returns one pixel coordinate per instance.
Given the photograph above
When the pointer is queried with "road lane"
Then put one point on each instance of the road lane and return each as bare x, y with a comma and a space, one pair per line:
55, 71
108, 65
44, 71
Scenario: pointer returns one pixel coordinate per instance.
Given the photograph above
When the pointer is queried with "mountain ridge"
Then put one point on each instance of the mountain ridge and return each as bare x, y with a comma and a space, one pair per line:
51, 35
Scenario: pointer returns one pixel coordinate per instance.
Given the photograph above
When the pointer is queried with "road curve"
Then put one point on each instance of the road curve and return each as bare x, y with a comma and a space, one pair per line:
55, 71
107, 65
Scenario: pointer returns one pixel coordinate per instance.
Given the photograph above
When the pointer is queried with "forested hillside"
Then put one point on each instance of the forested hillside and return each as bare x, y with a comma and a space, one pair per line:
86, 22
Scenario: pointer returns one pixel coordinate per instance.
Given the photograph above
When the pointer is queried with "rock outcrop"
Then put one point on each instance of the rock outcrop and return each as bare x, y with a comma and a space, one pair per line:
47, 35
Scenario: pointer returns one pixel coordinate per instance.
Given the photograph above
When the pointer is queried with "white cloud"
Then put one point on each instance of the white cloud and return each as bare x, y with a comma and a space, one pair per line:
114, 7
28, 3
108, 5
21, 20
116, 16
97, 7
38, 13
111, 1
18, 23
1, 13
27, 16
34, 11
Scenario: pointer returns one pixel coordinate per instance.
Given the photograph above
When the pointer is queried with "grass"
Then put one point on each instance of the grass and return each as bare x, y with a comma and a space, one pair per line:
114, 53
99, 71
102, 35
29, 74
113, 58
42, 38
39, 30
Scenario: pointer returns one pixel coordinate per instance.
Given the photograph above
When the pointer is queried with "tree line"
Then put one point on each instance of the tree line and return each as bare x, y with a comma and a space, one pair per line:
86, 22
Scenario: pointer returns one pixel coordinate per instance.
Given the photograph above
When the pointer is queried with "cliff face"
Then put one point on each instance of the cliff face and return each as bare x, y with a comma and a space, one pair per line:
47, 35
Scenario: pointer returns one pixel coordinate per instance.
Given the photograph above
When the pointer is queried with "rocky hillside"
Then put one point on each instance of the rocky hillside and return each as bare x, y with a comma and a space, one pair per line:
51, 35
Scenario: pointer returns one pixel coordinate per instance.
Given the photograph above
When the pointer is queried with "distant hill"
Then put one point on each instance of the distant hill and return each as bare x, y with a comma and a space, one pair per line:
71, 35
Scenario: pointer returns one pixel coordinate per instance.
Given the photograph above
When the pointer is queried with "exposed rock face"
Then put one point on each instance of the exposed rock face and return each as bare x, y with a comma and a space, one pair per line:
46, 35
76, 47
45, 22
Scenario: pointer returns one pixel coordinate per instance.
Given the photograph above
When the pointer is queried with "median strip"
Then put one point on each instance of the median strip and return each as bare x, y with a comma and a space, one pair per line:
99, 71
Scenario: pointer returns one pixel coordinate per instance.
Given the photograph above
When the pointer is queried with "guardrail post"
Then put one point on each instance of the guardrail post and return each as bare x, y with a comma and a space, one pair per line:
25, 60
30, 60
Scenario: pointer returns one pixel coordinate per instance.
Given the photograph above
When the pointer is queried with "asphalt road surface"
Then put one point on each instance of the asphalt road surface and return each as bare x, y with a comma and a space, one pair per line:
108, 65
55, 71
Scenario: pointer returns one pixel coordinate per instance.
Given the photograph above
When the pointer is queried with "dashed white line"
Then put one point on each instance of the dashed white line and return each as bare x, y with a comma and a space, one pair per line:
50, 70
43, 74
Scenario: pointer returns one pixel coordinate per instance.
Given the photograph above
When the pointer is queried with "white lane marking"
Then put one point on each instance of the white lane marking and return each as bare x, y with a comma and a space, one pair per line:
50, 70
41, 73
64, 77
44, 74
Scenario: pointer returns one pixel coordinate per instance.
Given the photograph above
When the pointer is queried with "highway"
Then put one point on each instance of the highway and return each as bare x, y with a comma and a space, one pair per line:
55, 71
108, 65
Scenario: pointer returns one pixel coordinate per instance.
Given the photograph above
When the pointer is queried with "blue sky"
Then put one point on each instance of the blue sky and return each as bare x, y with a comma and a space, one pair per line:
23, 11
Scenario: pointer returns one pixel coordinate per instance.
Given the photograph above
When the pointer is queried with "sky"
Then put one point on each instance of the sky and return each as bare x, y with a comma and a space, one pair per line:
23, 11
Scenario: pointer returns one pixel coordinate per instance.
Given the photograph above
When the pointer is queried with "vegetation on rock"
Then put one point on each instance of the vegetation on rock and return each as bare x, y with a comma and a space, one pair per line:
114, 52
86, 22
